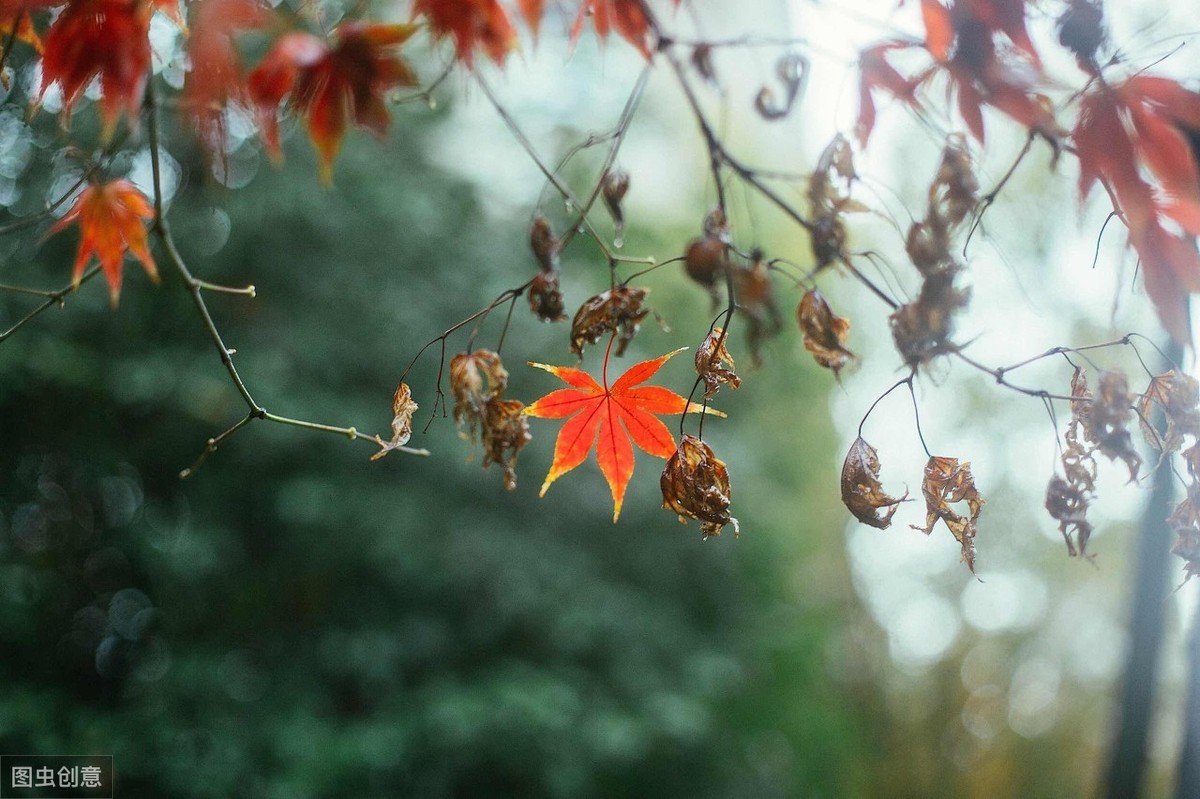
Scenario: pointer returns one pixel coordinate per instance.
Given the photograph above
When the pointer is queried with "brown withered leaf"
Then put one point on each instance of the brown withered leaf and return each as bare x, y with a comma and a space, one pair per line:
862, 493
1068, 505
704, 261
619, 309
475, 377
792, 71
1178, 396
709, 357
953, 194
1107, 419
922, 328
403, 409
756, 301
824, 332
613, 189
946, 482
505, 432
544, 243
695, 484
545, 297
1185, 521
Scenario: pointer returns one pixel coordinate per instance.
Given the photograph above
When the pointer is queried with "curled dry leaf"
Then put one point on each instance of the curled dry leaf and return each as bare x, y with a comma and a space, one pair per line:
709, 357
1110, 413
953, 194
545, 297
505, 432
705, 263
617, 310
544, 243
756, 300
824, 332
1068, 505
946, 482
922, 328
477, 381
403, 409
1178, 396
475, 377
1185, 521
695, 485
613, 189
862, 493
829, 198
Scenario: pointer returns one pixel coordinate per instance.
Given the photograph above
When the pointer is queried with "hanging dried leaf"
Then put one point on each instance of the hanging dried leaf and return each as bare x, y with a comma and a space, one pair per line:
544, 243
862, 493
1185, 521
824, 332
618, 309
403, 409
1068, 505
705, 262
545, 298
829, 198
475, 377
695, 484
1107, 417
1178, 396
505, 432
953, 194
613, 189
922, 328
709, 357
946, 482
756, 301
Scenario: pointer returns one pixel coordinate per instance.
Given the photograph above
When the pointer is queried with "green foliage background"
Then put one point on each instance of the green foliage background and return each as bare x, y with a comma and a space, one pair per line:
297, 621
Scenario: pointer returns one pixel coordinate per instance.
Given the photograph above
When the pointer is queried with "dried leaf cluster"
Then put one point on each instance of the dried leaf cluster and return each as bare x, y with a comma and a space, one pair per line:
619, 310
545, 296
922, 328
1177, 397
477, 381
948, 482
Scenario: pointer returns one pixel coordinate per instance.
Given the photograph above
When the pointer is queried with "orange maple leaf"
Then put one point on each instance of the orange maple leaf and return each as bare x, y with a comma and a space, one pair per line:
111, 219
610, 416
329, 84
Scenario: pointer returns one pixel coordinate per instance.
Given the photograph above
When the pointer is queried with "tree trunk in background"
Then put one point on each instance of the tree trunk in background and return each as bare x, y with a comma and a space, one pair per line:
1127, 762
1189, 758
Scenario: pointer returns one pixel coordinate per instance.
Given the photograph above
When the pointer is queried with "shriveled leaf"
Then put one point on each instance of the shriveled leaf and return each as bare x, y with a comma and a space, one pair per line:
792, 71
922, 328
1185, 521
545, 297
505, 432
611, 416
613, 189
695, 485
1107, 417
709, 357
705, 262
1177, 395
953, 194
1068, 505
112, 221
544, 243
475, 378
948, 482
756, 302
403, 409
862, 493
824, 332
617, 310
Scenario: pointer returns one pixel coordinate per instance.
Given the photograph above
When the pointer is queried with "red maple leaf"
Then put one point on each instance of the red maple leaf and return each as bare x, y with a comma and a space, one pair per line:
609, 416
111, 219
330, 84
105, 38
216, 78
473, 23
628, 17
1148, 121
